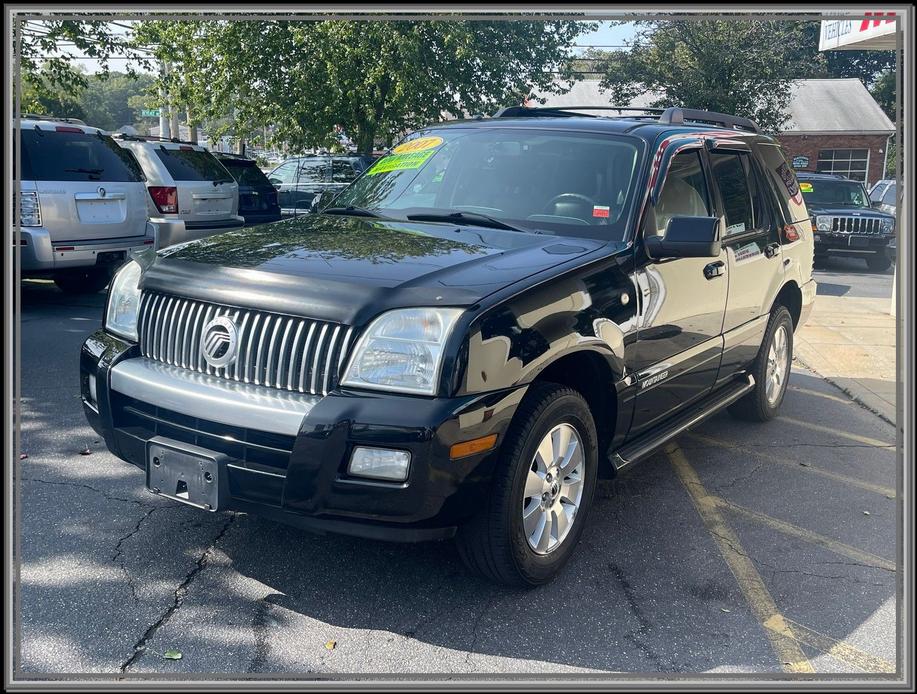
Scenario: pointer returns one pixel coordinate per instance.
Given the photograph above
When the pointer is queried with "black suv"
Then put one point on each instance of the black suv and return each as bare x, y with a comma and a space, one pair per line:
844, 221
300, 179
258, 199
493, 315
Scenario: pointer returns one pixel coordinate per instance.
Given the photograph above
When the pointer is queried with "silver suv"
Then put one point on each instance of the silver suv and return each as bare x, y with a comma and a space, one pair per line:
192, 195
82, 204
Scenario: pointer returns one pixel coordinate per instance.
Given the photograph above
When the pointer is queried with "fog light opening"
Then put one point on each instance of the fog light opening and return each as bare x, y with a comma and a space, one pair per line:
379, 463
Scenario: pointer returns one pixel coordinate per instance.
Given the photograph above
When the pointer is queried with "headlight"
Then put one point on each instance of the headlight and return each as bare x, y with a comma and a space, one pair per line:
124, 302
823, 223
402, 351
888, 226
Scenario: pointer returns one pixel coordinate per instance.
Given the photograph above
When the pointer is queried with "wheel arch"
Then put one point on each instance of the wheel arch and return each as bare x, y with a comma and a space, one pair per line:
790, 296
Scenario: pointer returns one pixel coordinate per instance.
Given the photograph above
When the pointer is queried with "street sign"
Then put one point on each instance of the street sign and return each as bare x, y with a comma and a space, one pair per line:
150, 112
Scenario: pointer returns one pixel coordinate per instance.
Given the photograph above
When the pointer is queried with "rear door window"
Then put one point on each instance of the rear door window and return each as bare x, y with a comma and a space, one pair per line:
343, 170
313, 171
68, 155
247, 174
192, 165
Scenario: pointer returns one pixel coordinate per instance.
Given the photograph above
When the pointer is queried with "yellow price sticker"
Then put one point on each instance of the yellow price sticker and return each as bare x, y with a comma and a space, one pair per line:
805, 187
419, 145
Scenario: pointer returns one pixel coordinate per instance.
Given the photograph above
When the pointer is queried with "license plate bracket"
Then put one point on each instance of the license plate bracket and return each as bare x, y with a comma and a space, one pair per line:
858, 241
186, 473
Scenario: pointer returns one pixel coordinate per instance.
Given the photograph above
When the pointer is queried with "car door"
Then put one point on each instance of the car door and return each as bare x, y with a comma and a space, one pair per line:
682, 301
754, 257
313, 177
283, 178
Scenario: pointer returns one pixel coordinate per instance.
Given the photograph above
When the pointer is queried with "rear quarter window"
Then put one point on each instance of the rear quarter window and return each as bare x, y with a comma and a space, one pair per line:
782, 183
247, 174
49, 155
192, 165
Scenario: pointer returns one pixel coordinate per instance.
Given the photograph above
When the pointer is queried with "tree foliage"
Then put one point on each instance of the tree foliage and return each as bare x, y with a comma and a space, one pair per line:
375, 79
739, 67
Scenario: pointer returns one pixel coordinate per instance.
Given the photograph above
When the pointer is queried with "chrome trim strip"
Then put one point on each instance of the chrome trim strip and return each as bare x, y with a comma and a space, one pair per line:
259, 472
212, 398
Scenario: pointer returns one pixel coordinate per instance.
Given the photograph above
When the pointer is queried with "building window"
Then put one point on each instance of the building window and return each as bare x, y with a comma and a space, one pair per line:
852, 163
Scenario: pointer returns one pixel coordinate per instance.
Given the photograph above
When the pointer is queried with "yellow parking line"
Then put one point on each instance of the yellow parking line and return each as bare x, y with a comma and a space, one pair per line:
852, 481
808, 536
826, 396
837, 432
838, 649
750, 582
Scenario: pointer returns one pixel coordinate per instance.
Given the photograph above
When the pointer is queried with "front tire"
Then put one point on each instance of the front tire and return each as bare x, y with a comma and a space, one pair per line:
771, 370
542, 491
88, 281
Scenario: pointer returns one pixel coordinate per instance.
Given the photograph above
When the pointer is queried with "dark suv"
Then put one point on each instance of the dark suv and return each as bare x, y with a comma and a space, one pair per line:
258, 199
844, 221
493, 315
300, 179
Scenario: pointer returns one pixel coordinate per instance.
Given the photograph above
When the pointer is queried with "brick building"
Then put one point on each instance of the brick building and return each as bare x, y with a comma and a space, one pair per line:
834, 125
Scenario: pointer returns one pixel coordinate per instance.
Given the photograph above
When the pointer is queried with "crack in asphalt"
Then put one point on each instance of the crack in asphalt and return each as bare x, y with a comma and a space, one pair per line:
259, 633
106, 495
178, 597
118, 554
636, 636
488, 606
742, 478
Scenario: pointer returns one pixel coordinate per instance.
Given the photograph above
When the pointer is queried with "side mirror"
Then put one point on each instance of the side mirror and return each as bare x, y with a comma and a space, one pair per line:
321, 201
276, 182
686, 237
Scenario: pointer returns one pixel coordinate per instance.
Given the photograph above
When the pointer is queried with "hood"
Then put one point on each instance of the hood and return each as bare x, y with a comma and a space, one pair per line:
848, 211
339, 268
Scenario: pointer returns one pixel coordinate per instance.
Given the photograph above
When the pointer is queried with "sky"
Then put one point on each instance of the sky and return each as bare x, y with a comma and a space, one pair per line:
606, 36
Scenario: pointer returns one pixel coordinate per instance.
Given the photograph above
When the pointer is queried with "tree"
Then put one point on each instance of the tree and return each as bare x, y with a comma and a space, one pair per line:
375, 80
738, 67
46, 49
884, 91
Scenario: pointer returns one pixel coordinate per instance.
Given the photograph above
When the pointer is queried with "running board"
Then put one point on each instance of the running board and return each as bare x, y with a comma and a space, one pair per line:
644, 445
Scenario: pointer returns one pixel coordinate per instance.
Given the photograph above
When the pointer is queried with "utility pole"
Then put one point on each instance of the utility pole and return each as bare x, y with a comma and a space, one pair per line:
164, 129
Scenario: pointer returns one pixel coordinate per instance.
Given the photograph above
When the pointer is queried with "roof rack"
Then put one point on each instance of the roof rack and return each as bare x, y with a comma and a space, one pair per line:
673, 115
678, 116
523, 111
55, 119
153, 138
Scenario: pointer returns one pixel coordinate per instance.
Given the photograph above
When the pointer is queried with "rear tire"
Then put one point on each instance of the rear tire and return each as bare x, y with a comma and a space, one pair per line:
771, 371
88, 281
519, 538
878, 262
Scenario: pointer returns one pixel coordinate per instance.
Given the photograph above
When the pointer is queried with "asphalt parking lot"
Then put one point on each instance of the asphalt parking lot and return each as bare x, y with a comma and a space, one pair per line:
740, 548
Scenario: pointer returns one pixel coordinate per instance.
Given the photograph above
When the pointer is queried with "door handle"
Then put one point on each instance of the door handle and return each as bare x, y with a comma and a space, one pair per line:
717, 269
771, 249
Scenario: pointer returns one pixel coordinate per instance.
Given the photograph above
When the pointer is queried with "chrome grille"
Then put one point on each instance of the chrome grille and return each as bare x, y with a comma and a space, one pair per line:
856, 225
279, 351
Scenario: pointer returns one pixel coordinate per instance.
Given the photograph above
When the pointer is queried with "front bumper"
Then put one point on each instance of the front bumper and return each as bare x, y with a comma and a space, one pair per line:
39, 255
851, 244
170, 231
288, 452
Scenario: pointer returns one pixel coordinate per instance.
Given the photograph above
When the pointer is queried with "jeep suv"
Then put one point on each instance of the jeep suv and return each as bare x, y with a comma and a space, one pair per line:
844, 221
191, 194
82, 204
493, 315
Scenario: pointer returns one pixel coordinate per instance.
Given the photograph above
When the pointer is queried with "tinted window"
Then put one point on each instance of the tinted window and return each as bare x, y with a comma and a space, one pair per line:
313, 171
70, 156
246, 173
729, 172
891, 195
284, 174
192, 165
344, 170
684, 193
834, 192
567, 183
876, 193
783, 182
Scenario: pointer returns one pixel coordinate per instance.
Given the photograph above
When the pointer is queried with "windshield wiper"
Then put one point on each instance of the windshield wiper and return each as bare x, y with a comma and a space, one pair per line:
352, 211
470, 218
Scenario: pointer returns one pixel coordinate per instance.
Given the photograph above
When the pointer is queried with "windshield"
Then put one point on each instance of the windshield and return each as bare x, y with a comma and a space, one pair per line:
828, 193
564, 183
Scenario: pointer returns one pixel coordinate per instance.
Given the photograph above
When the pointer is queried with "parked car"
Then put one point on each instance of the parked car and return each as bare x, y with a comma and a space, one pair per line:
258, 199
884, 196
844, 221
191, 194
82, 203
493, 315
300, 179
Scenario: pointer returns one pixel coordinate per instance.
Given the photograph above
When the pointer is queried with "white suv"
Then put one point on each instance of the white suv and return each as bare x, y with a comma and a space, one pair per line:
82, 203
191, 194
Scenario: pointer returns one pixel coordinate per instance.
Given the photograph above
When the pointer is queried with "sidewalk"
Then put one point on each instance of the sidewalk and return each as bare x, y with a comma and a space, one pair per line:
850, 341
